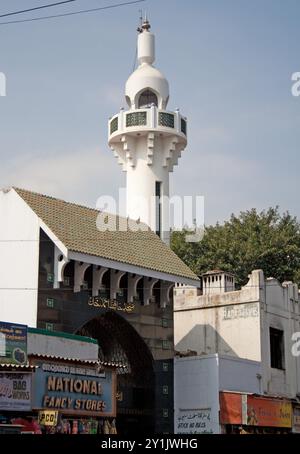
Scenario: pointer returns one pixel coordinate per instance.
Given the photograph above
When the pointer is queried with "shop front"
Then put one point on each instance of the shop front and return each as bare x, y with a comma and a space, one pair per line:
74, 396
15, 397
247, 413
15, 378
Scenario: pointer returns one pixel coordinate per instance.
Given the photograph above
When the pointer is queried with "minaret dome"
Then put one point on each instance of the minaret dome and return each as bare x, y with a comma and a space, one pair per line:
146, 83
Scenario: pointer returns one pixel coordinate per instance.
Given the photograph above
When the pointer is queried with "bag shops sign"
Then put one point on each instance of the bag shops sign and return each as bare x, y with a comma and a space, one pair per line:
15, 391
13, 343
74, 390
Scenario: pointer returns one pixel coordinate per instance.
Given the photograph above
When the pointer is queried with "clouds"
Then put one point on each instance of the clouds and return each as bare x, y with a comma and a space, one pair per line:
231, 76
80, 175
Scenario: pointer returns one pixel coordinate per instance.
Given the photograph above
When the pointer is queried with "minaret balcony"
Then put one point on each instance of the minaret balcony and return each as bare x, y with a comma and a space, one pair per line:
142, 121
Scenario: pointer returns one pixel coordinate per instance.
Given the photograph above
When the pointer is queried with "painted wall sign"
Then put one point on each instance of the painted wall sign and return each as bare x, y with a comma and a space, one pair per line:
73, 389
13, 340
15, 391
240, 311
194, 422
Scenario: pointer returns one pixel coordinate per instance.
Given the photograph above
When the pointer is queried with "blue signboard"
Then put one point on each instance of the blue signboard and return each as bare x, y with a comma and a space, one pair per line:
13, 343
74, 389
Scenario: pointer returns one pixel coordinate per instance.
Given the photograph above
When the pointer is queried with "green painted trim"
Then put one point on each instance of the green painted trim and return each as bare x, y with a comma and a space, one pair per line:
45, 332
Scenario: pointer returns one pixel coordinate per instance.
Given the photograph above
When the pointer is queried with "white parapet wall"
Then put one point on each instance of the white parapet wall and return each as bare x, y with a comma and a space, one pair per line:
42, 342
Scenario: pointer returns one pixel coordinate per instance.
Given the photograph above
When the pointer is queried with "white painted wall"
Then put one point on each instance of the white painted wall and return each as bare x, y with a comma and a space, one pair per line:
19, 264
238, 324
140, 182
281, 311
225, 323
199, 379
196, 387
236, 374
43, 344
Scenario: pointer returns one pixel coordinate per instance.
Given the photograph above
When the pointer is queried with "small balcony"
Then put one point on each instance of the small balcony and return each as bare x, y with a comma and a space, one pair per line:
147, 120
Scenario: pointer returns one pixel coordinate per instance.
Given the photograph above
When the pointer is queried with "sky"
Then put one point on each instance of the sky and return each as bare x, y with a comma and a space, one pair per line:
229, 64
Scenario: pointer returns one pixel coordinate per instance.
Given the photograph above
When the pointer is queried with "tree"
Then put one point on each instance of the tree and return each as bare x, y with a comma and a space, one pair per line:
266, 240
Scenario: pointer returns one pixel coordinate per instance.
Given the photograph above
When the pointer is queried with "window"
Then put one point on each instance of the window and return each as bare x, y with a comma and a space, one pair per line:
49, 326
50, 277
165, 413
165, 344
147, 98
165, 322
165, 367
114, 125
136, 119
165, 389
85, 285
166, 119
66, 281
2, 344
158, 207
50, 302
276, 348
183, 126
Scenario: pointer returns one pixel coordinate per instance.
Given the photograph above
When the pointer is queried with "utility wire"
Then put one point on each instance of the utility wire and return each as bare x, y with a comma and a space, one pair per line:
37, 7
73, 13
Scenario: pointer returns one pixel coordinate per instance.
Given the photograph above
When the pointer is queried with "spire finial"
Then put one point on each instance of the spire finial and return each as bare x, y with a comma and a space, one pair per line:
145, 25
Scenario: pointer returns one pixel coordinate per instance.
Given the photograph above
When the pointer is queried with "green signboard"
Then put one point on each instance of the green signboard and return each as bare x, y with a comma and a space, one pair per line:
13, 343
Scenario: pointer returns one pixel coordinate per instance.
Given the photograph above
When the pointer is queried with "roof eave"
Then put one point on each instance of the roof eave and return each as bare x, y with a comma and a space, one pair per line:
114, 264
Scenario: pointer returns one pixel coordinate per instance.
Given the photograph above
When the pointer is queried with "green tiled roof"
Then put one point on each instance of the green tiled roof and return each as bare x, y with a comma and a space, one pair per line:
75, 226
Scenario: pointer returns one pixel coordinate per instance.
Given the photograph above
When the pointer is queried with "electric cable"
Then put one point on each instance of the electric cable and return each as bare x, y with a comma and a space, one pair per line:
72, 13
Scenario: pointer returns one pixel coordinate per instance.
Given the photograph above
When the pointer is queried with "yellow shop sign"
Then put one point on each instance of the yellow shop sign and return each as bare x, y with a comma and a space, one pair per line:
48, 417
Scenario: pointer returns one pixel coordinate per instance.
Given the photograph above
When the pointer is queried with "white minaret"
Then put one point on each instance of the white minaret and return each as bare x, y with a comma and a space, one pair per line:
148, 139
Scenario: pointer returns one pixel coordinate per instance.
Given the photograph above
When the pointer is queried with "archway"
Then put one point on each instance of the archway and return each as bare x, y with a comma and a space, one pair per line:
119, 342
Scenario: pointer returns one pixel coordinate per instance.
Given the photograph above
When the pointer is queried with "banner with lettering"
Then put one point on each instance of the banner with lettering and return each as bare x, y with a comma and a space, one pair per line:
74, 389
13, 343
268, 412
15, 391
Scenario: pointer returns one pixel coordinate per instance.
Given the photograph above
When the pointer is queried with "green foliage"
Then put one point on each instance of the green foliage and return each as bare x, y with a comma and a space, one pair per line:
266, 240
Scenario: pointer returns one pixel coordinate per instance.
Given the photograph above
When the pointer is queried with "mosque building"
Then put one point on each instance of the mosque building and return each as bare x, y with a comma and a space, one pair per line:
64, 270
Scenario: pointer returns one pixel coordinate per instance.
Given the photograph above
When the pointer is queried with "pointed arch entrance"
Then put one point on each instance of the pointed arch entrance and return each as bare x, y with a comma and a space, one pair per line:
119, 342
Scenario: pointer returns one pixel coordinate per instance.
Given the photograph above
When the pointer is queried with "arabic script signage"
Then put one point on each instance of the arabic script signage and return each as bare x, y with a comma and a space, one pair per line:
194, 422
105, 303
